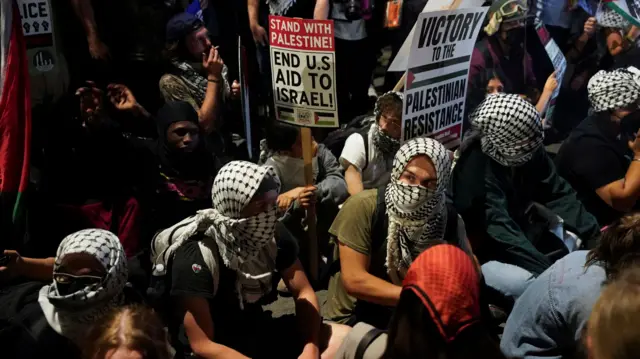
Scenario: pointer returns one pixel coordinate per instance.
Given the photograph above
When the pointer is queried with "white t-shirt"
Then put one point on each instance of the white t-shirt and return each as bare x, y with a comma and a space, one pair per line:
377, 172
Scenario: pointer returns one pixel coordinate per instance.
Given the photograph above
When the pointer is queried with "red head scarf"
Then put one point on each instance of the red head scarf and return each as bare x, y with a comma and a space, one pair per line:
446, 280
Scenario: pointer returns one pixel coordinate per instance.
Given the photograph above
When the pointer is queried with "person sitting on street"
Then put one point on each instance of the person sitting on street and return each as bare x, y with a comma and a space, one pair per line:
509, 194
367, 160
379, 232
219, 265
600, 159
549, 319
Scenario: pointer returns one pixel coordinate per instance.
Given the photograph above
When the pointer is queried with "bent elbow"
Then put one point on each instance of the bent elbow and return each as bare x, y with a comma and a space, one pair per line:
353, 284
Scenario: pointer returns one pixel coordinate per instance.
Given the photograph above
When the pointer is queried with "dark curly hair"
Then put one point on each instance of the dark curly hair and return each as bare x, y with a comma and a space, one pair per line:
390, 103
619, 246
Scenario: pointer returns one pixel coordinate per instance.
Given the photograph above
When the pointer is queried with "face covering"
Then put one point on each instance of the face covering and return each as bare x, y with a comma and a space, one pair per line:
515, 40
611, 90
72, 307
417, 215
385, 143
509, 128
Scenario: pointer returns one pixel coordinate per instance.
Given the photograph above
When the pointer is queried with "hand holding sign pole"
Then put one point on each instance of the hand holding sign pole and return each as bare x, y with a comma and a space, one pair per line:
303, 74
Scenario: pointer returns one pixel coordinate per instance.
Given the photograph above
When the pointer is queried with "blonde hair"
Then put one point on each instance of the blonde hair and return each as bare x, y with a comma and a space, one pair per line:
613, 326
133, 327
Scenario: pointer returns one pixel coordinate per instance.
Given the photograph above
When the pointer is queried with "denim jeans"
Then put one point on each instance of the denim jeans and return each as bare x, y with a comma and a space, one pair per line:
507, 279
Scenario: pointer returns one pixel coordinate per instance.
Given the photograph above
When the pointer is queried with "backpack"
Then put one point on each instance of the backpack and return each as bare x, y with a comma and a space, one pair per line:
361, 125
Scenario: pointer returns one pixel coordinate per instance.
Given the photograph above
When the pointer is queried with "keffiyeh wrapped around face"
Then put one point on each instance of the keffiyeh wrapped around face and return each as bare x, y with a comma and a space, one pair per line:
245, 245
510, 128
72, 315
385, 143
417, 214
610, 90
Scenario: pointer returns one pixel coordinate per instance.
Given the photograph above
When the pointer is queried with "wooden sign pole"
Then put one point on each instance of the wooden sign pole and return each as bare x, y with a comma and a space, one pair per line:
307, 156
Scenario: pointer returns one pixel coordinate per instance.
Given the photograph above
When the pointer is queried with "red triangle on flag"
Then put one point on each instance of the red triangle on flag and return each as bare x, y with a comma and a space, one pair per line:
410, 78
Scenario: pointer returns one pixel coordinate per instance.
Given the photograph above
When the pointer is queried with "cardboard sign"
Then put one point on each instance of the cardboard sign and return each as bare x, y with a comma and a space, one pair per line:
436, 81
303, 71
629, 9
244, 95
559, 64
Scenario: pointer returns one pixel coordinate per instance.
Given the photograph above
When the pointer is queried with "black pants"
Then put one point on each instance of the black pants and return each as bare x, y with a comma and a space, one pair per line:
355, 61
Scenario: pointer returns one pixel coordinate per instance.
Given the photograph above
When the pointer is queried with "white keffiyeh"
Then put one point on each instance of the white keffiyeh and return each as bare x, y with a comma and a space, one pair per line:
385, 143
607, 17
417, 214
245, 245
72, 315
280, 7
610, 90
509, 128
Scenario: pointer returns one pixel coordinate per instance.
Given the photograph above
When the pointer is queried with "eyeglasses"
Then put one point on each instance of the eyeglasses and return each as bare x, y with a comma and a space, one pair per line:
80, 280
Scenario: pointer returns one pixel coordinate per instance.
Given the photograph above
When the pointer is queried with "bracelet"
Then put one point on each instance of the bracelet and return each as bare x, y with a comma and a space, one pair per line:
213, 80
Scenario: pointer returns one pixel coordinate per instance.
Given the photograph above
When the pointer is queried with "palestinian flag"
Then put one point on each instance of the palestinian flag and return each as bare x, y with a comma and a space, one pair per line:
15, 124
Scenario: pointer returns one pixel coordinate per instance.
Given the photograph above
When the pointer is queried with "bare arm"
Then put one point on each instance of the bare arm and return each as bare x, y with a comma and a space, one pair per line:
321, 10
198, 326
622, 195
353, 177
361, 284
307, 307
252, 8
84, 12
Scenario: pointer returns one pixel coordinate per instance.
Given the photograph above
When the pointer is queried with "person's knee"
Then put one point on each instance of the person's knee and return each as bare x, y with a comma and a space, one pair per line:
331, 337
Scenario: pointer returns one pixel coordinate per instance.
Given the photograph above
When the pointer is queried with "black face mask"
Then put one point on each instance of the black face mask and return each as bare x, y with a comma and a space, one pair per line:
630, 124
68, 284
515, 39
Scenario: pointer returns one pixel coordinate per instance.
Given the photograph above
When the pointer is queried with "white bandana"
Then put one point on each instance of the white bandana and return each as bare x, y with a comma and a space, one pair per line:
246, 245
609, 90
510, 127
72, 315
417, 215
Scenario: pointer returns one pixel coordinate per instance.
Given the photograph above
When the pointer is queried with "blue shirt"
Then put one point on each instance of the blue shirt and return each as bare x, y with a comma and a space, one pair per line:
547, 321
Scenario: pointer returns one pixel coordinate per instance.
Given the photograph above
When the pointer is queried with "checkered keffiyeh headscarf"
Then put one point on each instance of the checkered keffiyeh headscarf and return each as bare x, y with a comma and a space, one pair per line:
607, 17
243, 243
73, 314
385, 143
417, 214
610, 90
509, 127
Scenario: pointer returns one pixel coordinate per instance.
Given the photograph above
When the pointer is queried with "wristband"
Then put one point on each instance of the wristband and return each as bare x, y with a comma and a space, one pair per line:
213, 80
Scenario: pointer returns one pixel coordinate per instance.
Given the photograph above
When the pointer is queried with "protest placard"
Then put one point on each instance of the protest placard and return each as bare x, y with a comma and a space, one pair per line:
436, 81
629, 9
303, 71
244, 96
559, 65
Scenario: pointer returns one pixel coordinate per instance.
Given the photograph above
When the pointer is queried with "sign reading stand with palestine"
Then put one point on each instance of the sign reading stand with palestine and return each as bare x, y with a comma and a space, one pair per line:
303, 71
437, 73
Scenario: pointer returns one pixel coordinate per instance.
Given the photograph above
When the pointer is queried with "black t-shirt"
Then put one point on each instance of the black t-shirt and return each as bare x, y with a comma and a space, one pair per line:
190, 276
592, 157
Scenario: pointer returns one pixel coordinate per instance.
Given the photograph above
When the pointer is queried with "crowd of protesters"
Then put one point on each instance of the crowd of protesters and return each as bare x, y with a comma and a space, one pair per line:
158, 226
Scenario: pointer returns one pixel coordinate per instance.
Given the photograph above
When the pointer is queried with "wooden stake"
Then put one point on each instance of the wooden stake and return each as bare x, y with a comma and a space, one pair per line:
307, 156
400, 83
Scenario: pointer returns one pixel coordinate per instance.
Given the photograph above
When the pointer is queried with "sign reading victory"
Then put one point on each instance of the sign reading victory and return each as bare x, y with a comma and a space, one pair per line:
303, 71
438, 68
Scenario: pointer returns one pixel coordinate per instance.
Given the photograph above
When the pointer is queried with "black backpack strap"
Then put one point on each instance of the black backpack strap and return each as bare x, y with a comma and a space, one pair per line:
366, 340
380, 221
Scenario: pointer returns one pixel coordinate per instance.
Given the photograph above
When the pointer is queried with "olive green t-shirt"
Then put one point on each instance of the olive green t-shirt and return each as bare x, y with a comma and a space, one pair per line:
352, 227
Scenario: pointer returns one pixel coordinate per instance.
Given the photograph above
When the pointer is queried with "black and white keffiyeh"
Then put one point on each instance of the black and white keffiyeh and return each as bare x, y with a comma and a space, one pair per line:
245, 245
280, 7
610, 90
197, 83
607, 17
385, 143
72, 315
417, 214
509, 128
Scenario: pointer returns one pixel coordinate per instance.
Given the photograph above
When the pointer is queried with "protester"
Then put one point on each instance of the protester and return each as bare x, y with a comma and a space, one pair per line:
132, 332
600, 157
489, 82
89, 274
326, 193
502, 171
355, 54
379, 232
503, 48
620, 35
549, 319
187, 44
367, 161
220, 264
438, 314
612, 332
